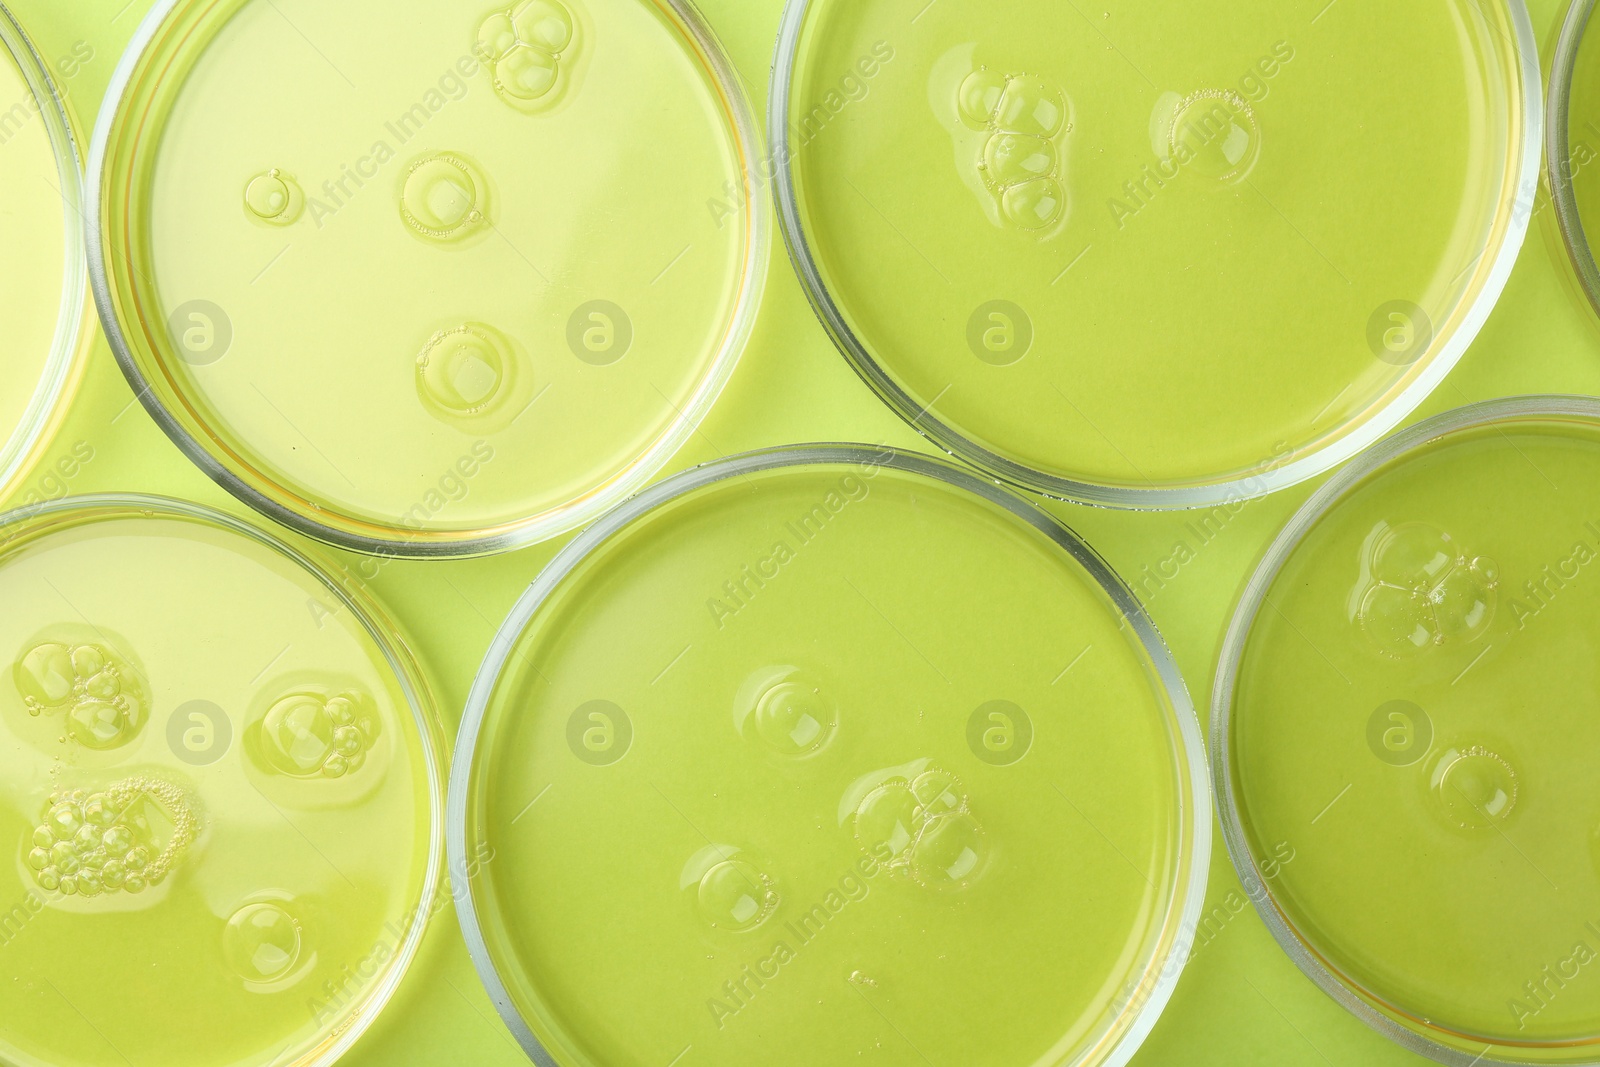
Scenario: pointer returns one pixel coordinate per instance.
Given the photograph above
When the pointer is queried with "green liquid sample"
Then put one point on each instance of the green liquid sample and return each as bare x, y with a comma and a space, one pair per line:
1152, 250
41, 288
456, 280
220, 810
827, 762
1413, 725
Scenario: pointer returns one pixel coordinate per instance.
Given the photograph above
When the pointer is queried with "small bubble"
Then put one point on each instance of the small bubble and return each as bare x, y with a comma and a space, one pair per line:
1030, 106
735, 895
543, 24
979, 97
275, 198
792, 712
261, 942
1034, 205
445, 197
1217, 133
466, 372
1476, 787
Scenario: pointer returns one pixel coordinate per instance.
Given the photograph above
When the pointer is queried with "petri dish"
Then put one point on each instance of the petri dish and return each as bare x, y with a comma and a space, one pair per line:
222, 793
43, 279
1153, 260
465, 281
1572, 144
764, 765
1399, 728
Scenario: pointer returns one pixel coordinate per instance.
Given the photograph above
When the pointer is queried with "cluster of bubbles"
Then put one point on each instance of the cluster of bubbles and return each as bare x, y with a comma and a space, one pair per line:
103, 697
1419, 590
93, 843
1020, 162
927, 824
523, 47
308, 735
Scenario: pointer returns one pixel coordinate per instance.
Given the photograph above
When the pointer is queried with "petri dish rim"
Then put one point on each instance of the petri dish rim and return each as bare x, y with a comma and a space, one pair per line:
1524, 166
1229, 816
1558, 147
746, 139
408, 673
63, 365
1194, 824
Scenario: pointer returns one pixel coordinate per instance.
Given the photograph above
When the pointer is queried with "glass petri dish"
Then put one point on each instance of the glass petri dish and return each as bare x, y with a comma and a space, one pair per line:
463, 282
43, 281
1154, 260
763, 765
222, 794
1400, 730
1572, 143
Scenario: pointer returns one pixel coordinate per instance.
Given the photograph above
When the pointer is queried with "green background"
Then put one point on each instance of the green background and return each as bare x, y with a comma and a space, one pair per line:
1240, 999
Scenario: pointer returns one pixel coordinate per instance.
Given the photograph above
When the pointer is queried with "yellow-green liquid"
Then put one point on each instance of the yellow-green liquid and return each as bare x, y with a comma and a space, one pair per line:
408, 238
214, 796
1415, 721
1152, 249
33, 269
737, 801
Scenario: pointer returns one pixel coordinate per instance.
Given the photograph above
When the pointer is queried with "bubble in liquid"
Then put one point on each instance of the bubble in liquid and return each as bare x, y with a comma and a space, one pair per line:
794, 716
543, 24
100, 692
466, 372
1020, 161
445, 197
274, 197
1029, 106
1476, 787
524, 48
927, 826
309, 735
1217, 133
1034, 205
261, 942
979, 97
949, 852
1418, 589
89, 857
1010, 158
736, 895
889, 815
